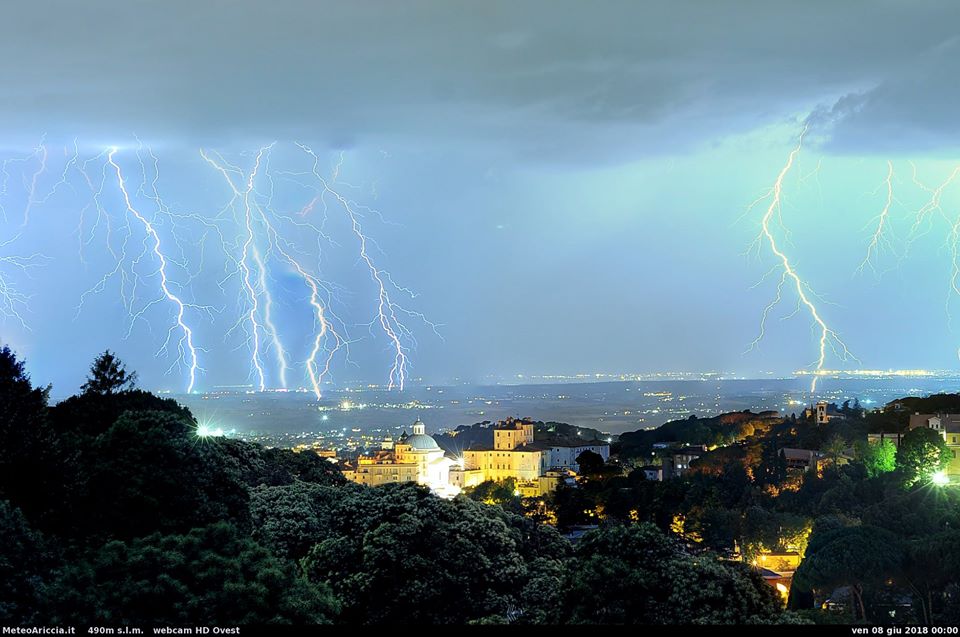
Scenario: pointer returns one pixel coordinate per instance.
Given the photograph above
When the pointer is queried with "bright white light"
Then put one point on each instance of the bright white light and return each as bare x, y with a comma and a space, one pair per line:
940, 478
206, 431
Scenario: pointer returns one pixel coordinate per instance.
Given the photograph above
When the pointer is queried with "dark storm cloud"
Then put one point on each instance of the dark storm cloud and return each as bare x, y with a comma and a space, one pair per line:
558, 77
912, 109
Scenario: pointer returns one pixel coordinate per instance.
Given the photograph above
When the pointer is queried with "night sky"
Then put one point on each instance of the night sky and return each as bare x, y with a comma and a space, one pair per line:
560, 187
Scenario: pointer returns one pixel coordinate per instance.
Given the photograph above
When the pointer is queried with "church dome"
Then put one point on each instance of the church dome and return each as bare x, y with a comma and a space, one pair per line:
421, 442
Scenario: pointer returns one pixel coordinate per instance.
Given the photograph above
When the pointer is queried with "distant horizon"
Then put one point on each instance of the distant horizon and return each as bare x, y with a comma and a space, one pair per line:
560, 379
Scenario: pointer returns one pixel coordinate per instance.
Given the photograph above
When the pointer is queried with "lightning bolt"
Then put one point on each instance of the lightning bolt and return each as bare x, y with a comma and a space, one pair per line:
255, 215
790, 277
922, 218
149, 250
932, 206
387, 309
13, 302
185, 345
878, 239
31, 193
248, 251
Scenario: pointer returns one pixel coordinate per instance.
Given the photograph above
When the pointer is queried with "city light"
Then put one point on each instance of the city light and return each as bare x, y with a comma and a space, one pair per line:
939, 478
205, 430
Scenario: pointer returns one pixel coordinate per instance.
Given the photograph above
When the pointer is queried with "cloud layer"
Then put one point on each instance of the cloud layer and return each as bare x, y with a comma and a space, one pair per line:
563, 79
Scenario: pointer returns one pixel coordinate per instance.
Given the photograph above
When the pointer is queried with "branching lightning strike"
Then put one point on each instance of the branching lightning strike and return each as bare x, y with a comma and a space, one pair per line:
387, 309
185, 345
827, 336
879, 238
257, 215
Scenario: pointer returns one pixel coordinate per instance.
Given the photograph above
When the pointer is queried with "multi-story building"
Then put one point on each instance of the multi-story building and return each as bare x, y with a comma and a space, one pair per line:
563, 454
414, 458
948, 426
512, 456
515, 454
381, 468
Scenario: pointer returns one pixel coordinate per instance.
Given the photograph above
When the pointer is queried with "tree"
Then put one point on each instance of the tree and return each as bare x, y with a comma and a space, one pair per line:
25, 437
502, 492
852, 412
718, 527
930, 567
23, 560
773, 465
108, 375
212, 575
877, 457
852, 556
275, 467
834, 448
637, 575
150, 473
922, 453
571, 504
590, 463
398, 554
306, 467
286, 519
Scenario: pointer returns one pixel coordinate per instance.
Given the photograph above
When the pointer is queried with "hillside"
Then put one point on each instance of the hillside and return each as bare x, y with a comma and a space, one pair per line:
715, 431
480, 435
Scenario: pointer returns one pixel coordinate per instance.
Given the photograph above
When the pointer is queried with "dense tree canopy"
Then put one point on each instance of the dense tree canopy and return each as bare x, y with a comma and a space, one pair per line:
153, 475
399, 554
23, 561
850, 556
26, 442
922, 453
210, 576
637, 575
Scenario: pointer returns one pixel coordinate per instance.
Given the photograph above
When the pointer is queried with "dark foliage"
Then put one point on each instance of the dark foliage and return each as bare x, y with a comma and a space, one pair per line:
211, 576
24, 562
637, 575
108, 375
27, 454
400, 555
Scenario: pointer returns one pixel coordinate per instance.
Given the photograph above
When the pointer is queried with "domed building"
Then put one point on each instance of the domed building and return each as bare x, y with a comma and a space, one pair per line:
433, 467
414, 458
